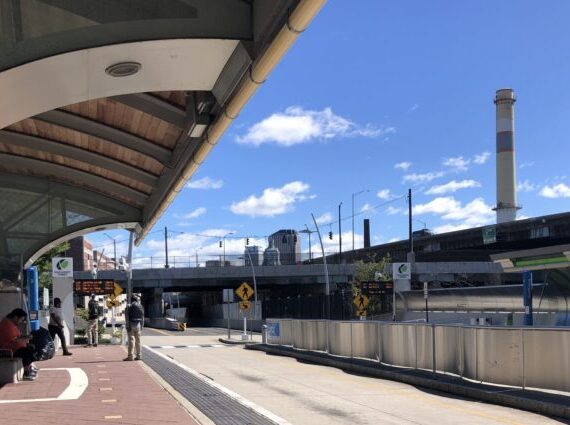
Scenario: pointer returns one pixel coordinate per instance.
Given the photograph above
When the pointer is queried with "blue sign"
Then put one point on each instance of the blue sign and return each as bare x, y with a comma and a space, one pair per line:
273, 330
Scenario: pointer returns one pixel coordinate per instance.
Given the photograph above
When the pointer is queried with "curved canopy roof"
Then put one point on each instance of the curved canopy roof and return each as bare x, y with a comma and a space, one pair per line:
83, 149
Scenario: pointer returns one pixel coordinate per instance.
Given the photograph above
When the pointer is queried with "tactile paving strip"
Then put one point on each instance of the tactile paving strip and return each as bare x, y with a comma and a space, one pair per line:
216, 405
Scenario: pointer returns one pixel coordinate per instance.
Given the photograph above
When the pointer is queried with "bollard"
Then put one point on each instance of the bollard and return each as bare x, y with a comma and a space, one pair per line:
264, 334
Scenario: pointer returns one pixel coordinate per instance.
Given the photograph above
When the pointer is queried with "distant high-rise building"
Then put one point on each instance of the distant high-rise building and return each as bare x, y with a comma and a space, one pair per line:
271, 255
256, 255
288, 243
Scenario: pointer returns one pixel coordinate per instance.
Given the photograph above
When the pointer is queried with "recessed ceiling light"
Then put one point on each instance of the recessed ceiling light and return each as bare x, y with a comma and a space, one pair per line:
123, 69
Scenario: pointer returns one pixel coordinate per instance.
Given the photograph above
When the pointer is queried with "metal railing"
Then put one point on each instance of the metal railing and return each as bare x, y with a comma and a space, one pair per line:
519, 357
218, 260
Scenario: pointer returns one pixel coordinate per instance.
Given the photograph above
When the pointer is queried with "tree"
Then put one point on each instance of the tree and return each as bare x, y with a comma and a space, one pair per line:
367, 271
44, 264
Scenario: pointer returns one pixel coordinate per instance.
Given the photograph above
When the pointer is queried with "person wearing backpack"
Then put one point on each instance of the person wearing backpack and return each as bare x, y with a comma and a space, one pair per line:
92, 326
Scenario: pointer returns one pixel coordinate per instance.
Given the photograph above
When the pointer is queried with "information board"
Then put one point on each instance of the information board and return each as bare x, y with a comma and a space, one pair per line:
93, 286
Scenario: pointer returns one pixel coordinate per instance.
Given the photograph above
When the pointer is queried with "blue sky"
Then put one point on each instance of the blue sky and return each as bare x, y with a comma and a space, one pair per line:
408, 83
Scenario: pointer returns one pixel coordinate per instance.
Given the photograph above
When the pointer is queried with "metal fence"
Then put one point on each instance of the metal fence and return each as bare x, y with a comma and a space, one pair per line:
218, 259
519, 357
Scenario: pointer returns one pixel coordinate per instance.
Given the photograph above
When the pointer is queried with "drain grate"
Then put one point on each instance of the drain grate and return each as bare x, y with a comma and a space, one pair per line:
216, 405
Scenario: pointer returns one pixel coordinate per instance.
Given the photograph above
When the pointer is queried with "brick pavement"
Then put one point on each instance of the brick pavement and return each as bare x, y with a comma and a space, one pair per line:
118, 392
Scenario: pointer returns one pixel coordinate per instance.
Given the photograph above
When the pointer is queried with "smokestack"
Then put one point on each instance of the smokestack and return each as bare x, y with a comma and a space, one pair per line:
366, 233
506, 179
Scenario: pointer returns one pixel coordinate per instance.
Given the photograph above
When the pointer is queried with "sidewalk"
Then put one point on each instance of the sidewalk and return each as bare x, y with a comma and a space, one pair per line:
93, 386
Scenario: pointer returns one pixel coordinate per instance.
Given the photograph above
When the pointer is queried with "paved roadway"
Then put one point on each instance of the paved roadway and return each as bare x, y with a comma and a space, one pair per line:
302, 393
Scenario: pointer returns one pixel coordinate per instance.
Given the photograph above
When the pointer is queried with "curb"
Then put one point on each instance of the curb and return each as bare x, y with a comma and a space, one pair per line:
236, 342
529, 400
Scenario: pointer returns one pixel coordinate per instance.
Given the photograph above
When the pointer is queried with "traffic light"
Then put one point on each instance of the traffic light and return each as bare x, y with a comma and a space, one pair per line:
247, 241
330, 236
220, 244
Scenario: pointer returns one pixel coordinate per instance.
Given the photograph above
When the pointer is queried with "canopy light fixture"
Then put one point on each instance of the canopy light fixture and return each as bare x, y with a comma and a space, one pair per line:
123, 69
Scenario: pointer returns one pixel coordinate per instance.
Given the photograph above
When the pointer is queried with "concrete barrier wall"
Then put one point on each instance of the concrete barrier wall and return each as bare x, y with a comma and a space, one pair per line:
519, 357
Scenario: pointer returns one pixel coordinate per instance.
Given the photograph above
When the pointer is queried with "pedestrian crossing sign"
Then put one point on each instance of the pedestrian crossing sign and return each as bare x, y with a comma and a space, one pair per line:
361, 302
245, 292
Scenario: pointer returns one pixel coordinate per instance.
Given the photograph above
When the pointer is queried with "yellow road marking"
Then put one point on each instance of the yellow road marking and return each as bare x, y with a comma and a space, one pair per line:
106, 389
162, 332
111, 400
114, 417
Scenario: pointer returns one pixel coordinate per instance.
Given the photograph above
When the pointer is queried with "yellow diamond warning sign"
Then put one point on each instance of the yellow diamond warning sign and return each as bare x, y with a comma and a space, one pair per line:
245, 292
361, 302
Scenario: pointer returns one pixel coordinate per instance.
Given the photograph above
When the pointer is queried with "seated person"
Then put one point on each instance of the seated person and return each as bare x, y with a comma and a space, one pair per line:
12, 339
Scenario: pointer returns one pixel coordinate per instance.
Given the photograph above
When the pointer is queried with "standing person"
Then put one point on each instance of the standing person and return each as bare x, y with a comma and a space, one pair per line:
135, 321
55, 326
93, 325
11, 339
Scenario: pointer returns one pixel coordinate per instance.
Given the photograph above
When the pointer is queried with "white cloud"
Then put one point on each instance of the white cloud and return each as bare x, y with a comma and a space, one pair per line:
324, 219
393, 210
394, 240
482, 158
522, 217
193, 214
559, 190
367, 208
446, 228
403, 165
273, 201
452, 186
526, 164
205, 183
457, 163
475, 213
414, 107
421, 178
526, 186
385, 194
297, 125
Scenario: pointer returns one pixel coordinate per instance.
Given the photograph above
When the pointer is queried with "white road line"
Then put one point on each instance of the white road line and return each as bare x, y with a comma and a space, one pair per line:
167, 346
78, 383
264, 412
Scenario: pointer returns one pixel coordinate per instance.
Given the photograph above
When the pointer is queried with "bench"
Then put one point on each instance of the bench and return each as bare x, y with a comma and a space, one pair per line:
11, 368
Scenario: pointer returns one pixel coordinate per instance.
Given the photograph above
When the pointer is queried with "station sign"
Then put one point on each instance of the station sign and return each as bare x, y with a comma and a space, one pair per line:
94, 286
62, 267
401, 271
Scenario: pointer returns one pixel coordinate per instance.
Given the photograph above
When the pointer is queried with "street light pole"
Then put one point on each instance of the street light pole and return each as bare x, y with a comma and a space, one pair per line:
114, 249
224, 244
254, 289
339, 235
354, 195
166, 265
310, 254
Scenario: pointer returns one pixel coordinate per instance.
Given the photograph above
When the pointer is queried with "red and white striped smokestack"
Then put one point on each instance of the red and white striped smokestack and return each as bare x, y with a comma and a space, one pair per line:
506, 172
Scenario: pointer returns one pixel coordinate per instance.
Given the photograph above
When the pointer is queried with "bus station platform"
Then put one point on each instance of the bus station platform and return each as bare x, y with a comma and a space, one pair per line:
93, 386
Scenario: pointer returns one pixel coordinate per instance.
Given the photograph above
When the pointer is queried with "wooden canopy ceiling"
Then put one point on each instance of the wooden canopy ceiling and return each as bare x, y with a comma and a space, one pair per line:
114, 146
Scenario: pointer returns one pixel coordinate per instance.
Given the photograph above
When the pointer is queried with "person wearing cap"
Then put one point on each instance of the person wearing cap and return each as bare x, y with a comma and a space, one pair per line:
12, 339
92, 324
135, 321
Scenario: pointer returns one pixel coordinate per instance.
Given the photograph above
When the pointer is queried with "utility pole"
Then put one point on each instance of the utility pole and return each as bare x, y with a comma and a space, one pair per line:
166, 265
354, 195
339, 235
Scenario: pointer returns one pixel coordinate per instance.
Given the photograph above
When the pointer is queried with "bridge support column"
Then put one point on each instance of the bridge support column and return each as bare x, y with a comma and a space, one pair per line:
155, 303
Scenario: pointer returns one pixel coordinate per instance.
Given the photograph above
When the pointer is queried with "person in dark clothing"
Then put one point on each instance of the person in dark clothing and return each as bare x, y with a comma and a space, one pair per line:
135, 321
56, 326
93, 323
12, 339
